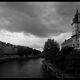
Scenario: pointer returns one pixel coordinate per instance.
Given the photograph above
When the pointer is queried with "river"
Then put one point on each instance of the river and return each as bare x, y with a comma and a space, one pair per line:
23, 69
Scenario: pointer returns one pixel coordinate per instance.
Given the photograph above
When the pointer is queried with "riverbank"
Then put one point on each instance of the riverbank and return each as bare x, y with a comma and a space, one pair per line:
16, 57
8, 58
53, 70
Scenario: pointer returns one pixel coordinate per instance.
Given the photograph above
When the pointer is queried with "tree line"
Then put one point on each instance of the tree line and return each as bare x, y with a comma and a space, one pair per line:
10, 49
25, 51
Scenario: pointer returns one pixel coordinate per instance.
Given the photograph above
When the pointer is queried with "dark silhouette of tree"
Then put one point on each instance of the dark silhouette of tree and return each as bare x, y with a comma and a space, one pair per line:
27, 51
66, 50
64, 53
18, 50
73, 63
51, 50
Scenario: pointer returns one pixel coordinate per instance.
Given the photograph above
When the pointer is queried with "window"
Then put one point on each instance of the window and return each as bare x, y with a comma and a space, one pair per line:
78, 45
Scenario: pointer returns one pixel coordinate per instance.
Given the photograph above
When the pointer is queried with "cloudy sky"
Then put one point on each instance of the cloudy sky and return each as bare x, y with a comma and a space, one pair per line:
32, 23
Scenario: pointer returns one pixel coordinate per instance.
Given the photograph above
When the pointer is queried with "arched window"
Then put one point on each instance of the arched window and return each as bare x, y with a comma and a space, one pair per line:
73, 45
78, 45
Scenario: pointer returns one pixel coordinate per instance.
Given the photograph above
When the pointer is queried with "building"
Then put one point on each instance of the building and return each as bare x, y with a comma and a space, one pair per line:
74, 41
67, 43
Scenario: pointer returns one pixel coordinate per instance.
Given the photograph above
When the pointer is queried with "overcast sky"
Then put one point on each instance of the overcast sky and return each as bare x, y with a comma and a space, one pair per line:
32, 23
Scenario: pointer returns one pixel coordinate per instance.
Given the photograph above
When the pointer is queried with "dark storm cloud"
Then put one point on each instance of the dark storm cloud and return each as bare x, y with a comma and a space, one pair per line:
25, 7
67, 10
27, 17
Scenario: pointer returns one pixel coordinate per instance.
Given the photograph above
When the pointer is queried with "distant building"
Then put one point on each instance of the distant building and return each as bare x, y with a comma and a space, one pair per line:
74, 41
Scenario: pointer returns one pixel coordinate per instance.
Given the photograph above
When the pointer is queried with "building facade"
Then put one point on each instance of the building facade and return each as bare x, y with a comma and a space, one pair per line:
67, 43
74, 41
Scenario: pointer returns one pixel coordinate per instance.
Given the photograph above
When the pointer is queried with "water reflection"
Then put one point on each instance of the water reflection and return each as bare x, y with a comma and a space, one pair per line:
23, 69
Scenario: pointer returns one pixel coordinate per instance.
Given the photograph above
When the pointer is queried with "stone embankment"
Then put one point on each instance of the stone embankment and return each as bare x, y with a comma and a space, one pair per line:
8, 58
15, 57
53, 70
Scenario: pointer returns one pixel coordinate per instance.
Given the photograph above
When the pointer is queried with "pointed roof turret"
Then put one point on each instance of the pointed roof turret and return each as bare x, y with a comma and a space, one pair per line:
77, 11
76, 17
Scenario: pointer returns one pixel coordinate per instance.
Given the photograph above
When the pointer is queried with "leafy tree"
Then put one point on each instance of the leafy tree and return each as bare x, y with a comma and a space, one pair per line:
64, 53
22, 50
66, 50
72, 63
51, 50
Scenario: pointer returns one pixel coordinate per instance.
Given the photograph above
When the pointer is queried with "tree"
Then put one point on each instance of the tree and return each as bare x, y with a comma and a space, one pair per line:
51, 50
20, 51
66, 50
64, 54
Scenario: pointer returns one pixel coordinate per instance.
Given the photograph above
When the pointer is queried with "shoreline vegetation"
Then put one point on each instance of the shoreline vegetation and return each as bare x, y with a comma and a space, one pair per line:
9, 52
66, 60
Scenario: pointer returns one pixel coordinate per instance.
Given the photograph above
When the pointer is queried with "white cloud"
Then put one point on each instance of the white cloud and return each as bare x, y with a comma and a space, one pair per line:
61, 37
30, 40
17, 38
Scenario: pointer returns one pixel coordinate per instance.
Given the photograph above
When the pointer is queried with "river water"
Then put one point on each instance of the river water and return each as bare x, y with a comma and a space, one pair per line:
23, 69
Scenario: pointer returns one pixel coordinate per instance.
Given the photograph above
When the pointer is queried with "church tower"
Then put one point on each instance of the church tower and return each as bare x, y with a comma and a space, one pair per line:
76, 30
